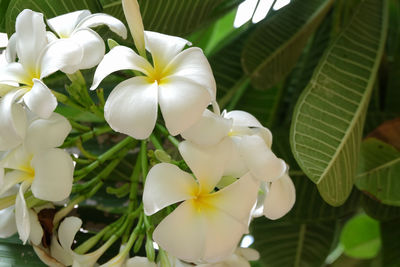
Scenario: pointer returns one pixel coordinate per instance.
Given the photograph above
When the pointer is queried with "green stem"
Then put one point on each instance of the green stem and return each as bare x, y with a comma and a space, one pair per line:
86, 136
164, 131
143, 159
78, 126
156, 142
105, 156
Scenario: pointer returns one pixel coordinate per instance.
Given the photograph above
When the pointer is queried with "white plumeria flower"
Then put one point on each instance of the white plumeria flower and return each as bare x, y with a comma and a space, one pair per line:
8, 227
37, 59
207, 226
181, 82
240, 258
139, 262
251, 151
38, 165
76, 26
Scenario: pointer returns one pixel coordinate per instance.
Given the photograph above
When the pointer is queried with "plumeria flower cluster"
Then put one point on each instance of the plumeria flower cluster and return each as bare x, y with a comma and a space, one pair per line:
228, 175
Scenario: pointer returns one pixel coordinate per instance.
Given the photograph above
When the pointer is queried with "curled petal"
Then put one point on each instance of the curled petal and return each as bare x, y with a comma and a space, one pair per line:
248, 253
31, 37
235, 166
135, 23
242, 118
209, 130
10, 179
58, 55
17, 159
163, 48
13, 121
65, 24
47, 133
131, 107
206, 163
67, 231
46, 258
7, 222
14, 72
51, 37
182, 102
280, 198
22, 214
99, 19
40, 100
260, 160
119, 58
166, 184
193, 65
93, 49
53, 174
36, 232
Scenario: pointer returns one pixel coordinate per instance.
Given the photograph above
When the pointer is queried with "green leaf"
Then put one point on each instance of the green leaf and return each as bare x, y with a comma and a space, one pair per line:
360, 237
275, 46
175, 17
14, 253
378, 210
3, 9
290, 244
379, 171
329, 116
390, 232
48, 8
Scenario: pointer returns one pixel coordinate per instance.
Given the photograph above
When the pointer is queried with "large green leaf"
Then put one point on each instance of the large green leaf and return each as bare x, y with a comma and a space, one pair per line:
377, 210
14, 253
329, 116
3, 9
290, 244
48, 8
274, 48
379, 171
175, 17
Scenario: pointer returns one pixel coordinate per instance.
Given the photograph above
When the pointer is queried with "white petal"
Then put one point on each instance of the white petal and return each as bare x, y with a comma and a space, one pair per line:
182, 102
58, 55
59, 253
163, 48
53, 175
93, 49
14, 72
236, 200
65, 24
99, 19
47, 133
192, 64
139, 262
10, 179
11, 50
206, 163
7, 222
22, 214
166, 184
31, 37
40, 100
280, 198
7, 87
248, 253
242, 118
46, 258
209, 130
51, 37
36, 232
17, 159
260, 160
235, 166
67, 231
12, 121
119, 58
131, 107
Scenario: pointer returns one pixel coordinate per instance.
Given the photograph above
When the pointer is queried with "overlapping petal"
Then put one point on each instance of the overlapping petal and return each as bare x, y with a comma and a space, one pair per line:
65, 24
139, 262
209, 130
22, 214
53, 175
14, 72
47, 133
13, 121
119, 58
11, 50
131, 107
40, 100
166, 184
10, 179
193, 65
260, 160
36, 230
182, 102
8, 226
99, 19
280, 198
206, 163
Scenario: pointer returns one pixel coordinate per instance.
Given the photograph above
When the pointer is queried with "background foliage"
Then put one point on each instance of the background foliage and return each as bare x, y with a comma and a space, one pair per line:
324, 76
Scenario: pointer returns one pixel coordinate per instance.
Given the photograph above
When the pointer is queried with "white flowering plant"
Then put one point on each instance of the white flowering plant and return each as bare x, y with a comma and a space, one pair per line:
174, 133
